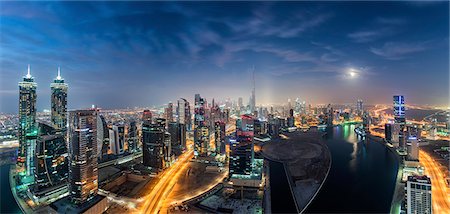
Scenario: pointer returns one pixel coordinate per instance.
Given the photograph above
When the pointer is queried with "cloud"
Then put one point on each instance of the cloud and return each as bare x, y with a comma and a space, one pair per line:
371, 35
398, 50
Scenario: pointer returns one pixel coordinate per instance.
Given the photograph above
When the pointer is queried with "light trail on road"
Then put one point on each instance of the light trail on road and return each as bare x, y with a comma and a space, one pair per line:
152, 202
440, 197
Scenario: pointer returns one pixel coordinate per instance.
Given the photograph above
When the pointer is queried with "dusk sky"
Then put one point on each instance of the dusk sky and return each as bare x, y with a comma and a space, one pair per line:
117, 54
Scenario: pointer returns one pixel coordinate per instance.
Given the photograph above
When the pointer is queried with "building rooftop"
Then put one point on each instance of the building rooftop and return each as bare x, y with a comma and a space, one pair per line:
419, 179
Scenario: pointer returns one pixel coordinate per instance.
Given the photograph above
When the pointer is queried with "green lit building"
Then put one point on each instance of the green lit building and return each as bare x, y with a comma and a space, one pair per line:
27, 123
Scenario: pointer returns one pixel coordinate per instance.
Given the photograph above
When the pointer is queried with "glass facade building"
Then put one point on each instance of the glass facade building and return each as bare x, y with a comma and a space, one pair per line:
83, 165
27, 123
59, 102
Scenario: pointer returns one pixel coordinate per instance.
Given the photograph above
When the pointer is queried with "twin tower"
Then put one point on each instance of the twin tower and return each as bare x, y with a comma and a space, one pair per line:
28, 129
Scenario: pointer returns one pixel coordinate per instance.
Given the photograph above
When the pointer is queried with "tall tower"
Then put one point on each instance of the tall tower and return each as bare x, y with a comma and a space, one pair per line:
27, 123
59, 102
83, 166
359, 108
242, 153
153, 145
184, 113
201, 131
253, 100
399, 117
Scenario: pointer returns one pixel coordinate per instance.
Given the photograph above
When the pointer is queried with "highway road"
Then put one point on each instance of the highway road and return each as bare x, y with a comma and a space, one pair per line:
168, 178
153, 201
440, 194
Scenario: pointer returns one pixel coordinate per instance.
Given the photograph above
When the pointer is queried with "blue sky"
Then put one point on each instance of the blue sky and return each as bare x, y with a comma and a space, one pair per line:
119, 54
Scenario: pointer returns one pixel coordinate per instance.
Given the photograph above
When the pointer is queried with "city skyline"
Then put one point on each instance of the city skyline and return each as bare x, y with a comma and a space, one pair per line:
152, 49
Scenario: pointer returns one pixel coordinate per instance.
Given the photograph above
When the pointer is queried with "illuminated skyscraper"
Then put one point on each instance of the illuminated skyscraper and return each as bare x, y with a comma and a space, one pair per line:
27, 123
418, 195
83, 166
253, 97
184, 113
117, 139
102, 136
242, 153
399, 117
59, 102
219, 137
359, 107
169, 113
132, 137
153, 145
201, 131
51, 164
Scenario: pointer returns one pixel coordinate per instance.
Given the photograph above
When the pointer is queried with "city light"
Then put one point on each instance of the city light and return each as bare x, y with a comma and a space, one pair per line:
278, 107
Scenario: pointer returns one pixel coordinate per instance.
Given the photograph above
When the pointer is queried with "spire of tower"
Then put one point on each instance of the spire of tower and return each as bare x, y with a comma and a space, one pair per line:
28, 74
59, 73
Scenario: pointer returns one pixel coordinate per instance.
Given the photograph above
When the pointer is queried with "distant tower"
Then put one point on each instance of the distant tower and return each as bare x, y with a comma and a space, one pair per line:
359, 108
27, 123
400, 121
184, 113
59, 102
253, 97
83, 166
169, 113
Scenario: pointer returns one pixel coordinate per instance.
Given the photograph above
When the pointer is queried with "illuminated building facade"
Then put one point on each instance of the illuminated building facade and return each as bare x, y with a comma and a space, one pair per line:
59, 102
102, 136
168, 113
119, 138
132, 137
399, 117
184, 113
175, 137
27, 123
242, 153
359, 107
418, 195
153, 145
201, 131
83, 166
51, 164
219, 137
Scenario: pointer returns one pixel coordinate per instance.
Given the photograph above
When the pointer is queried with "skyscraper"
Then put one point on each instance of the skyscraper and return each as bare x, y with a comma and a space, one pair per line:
219, 137
102, 136
175, 137
27, 123
359, 107
51, 165
242, 153
169, 113
253, 97
399, 117
201, 131
83, 166
153, 145
418, 195
59, 102
132, 137
184, 113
